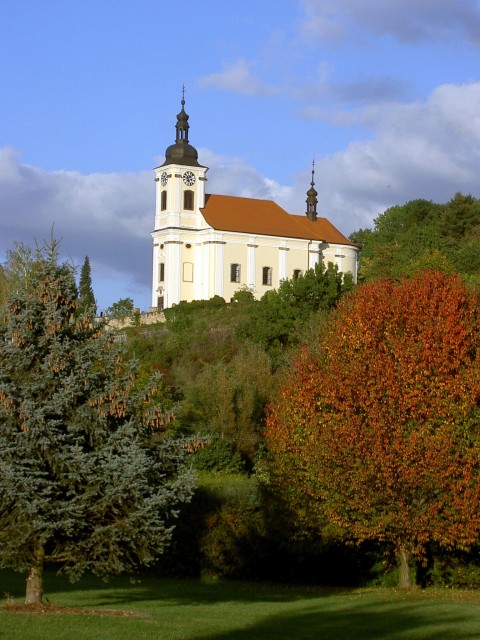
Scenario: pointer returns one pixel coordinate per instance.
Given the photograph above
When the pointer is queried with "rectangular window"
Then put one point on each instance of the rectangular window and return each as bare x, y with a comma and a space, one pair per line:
163, 202
267, 276
234, 273
188, 200
161, 272
297, 273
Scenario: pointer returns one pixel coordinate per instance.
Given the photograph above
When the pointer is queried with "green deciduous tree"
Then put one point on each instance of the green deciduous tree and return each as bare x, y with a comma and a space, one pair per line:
87, 478
460, 215
273, 320
18, 270
227, 399
378, 431
121, 310
422, 233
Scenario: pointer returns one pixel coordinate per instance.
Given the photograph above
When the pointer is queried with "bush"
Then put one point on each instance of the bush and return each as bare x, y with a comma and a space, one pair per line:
457, 570
218, 455
220, 533
224, 533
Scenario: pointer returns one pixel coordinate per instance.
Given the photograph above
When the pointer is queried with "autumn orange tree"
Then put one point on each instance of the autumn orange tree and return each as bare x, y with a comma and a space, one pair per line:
378, 428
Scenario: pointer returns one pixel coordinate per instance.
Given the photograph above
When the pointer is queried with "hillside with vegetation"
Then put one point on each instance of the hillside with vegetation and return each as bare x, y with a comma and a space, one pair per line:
223, 364
333, 428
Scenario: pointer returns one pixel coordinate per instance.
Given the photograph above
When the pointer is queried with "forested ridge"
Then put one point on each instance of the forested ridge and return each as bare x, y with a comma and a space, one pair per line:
422, 234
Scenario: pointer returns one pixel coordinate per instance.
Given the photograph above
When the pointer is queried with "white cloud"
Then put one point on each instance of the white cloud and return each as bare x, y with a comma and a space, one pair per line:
236, 77
405, 20
232, 176
420, 150
105, 216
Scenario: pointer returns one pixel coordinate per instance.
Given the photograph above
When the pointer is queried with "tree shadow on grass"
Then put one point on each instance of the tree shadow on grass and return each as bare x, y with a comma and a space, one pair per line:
169, 592
306, 613
359, 622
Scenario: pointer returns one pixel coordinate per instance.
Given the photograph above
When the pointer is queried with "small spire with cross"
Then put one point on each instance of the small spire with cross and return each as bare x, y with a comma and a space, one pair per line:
312, 199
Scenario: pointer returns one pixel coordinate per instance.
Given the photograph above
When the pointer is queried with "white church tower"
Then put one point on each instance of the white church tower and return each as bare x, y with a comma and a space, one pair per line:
180, 194
207, 245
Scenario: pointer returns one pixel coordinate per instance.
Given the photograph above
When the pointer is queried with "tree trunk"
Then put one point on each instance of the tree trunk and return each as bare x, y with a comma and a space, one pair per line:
404, 579
34, 592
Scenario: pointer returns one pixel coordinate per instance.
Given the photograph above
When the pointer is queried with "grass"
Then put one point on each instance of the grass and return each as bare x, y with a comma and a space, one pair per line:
164, 609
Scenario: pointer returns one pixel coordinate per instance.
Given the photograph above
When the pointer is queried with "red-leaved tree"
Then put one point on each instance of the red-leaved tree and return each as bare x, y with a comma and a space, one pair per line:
378, 429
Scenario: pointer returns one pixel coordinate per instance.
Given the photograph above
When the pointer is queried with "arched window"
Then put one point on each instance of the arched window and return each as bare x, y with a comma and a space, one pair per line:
163, 201
188, 200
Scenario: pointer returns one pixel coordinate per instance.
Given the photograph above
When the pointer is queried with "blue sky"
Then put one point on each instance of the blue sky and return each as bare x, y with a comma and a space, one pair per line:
384, 94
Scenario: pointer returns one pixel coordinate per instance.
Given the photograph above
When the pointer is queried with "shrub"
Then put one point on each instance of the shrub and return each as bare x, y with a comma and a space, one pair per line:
458, 570
218, 455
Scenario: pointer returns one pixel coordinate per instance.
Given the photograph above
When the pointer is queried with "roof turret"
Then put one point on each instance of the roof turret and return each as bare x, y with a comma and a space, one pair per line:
312, 199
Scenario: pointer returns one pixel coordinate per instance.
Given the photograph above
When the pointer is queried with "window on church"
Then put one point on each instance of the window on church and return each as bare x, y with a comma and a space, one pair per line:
234, 273
267, 276
188, 272
297, 273
163, 201
161, 272
188, 200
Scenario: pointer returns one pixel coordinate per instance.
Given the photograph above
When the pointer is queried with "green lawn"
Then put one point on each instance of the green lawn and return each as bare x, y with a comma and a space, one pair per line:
192, 610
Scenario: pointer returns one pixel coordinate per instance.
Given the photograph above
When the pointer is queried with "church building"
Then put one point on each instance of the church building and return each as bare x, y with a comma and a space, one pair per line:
208, 244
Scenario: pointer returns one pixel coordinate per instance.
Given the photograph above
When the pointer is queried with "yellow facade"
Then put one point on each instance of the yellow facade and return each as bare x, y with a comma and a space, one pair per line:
207, 245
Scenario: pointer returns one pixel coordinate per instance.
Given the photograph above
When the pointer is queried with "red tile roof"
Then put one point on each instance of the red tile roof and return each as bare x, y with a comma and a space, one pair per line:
265, 217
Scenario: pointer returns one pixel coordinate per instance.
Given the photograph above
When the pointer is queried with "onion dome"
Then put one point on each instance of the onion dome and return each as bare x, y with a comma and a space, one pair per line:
182, 152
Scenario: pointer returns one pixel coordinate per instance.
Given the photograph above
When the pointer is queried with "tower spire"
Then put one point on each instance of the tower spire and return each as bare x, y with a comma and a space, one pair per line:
312, 199
182, 152
182, 125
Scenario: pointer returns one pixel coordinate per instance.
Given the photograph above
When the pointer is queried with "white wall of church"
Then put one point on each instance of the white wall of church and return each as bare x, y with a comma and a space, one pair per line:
201, 264
343, 256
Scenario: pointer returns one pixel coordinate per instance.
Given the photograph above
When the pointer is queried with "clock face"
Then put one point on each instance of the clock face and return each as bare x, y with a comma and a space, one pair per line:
188, 178
163, 179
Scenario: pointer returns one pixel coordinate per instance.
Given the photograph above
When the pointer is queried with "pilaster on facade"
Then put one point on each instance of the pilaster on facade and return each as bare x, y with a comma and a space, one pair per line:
202, 179
200, 271
251, 265
155, 281
218, 288
282, 261
315, 254
173, 272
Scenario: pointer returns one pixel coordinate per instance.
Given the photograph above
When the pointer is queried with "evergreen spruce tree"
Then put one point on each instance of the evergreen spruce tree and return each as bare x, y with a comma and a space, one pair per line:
88, 478
86, 295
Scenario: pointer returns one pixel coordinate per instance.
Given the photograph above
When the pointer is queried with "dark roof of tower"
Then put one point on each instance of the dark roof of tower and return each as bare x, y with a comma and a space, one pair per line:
182, 152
